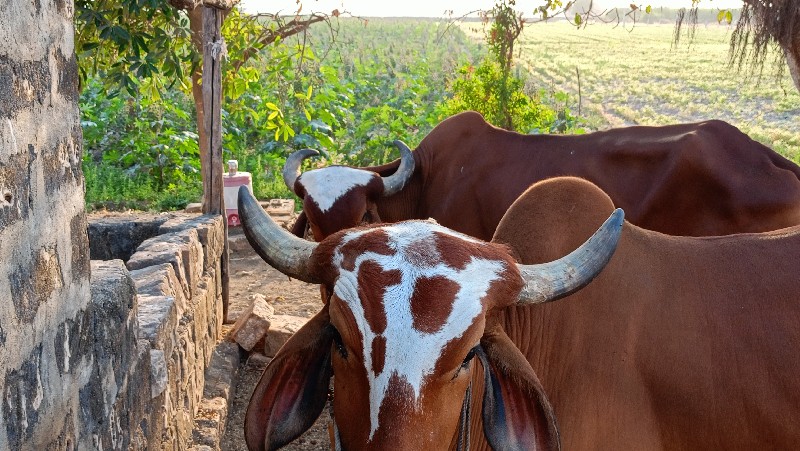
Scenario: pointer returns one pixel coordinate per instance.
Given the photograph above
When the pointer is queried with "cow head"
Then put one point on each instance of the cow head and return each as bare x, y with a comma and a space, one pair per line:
339, 197
413, 304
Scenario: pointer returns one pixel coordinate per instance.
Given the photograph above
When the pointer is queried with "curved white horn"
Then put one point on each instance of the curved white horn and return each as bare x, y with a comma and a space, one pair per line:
550, 281
395, 182
291, 169
278, 247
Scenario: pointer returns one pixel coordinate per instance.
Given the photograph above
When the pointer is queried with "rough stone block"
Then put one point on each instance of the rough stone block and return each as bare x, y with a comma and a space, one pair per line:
206, 436
278, 207
221, 372
159, 252
160, 280
212, 413
281, 329
253, 323
158, 319
210, 231
159, 377
194, 207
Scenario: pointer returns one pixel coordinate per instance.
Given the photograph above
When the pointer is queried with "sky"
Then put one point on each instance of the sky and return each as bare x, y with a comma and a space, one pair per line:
436, 8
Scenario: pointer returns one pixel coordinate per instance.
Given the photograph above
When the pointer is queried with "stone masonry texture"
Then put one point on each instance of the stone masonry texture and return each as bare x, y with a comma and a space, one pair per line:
49, 359
86, 361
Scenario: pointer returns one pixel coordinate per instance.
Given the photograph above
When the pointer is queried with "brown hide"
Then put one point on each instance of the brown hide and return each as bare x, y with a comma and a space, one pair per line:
680, 343
699, 179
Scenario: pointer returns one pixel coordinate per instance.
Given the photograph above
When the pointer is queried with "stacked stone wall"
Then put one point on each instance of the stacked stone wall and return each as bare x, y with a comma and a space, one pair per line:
93, 355
47, 357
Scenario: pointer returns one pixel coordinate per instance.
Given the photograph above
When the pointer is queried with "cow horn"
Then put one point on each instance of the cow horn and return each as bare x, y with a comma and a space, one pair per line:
550, 281
279, 248
291, 169
395, 182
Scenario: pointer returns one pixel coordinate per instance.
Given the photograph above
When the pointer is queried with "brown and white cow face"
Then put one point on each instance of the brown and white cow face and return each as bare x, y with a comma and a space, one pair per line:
409, 304
412, 303
337, 198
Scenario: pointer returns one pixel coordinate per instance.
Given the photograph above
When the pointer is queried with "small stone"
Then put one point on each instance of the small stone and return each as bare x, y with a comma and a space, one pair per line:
253, 323
281, 329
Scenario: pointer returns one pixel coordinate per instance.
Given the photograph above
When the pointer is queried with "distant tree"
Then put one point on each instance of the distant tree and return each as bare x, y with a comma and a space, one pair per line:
151, 45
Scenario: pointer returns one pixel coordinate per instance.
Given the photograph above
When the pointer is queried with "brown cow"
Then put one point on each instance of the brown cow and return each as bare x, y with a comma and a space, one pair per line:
698, 179
412, 304
680, 343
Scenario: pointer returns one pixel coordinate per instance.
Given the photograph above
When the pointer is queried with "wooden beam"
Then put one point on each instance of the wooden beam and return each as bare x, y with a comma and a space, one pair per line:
213, 199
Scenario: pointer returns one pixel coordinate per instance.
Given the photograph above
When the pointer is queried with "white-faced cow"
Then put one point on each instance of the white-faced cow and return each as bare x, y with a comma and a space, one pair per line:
698, 179
680, 343
413, 303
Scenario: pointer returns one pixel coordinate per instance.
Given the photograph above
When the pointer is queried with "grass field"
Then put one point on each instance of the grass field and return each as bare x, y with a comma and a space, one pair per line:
635, 77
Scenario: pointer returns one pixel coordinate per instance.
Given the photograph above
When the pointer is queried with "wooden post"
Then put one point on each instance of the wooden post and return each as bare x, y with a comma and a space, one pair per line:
213, 200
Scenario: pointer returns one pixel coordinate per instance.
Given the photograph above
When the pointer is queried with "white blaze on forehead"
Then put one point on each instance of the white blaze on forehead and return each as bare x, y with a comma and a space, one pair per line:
411, 354
327, 185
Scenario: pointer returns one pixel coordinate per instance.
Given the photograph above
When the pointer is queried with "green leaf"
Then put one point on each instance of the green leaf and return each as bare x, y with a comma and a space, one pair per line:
729, 17
720, 16
578, 19
648, 9
272, 106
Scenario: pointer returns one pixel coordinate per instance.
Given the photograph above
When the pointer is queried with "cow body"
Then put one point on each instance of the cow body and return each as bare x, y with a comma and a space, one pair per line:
681, 343
699, 179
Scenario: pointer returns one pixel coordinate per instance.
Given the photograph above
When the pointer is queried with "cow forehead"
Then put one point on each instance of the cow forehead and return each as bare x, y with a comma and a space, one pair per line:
408, 343
326, 185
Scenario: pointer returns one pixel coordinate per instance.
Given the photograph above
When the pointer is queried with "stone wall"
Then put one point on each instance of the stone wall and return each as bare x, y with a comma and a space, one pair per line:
92, 355
178, 282
47, 359
174, 321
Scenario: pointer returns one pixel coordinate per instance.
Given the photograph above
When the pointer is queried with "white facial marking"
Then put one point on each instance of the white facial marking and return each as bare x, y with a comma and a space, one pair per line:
327, 185
411, 355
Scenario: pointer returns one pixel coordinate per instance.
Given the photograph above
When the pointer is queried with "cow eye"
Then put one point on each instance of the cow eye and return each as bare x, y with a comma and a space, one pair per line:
465, 363
469, 357
339, 344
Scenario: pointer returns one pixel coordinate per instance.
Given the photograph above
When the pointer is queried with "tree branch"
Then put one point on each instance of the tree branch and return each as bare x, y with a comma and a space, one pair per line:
285, 30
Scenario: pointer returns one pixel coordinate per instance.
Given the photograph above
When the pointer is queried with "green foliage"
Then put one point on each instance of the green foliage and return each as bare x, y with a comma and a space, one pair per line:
378, 83
133, 42
478, 88
492, 89
149, 142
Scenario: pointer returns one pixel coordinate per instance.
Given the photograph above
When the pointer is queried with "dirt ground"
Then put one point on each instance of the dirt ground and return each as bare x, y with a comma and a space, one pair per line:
249, 275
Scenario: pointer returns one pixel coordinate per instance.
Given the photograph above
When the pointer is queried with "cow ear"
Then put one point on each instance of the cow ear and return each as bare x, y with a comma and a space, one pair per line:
516, 412
299, 227
293, 388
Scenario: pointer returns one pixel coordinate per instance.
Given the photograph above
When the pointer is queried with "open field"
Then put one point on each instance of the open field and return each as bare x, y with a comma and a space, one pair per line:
636, 78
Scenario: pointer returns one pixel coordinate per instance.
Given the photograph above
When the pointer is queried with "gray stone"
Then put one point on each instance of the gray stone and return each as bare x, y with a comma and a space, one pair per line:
210, 231
160, 280
158, 253
158, 319
221, 372
253, 323
186, 243
282, 328
158, 373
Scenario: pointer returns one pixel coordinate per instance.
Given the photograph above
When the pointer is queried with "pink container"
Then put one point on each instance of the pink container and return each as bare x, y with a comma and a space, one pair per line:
231, 183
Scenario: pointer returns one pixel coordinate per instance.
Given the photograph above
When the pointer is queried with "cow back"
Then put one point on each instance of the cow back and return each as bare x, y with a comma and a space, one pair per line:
680, 343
